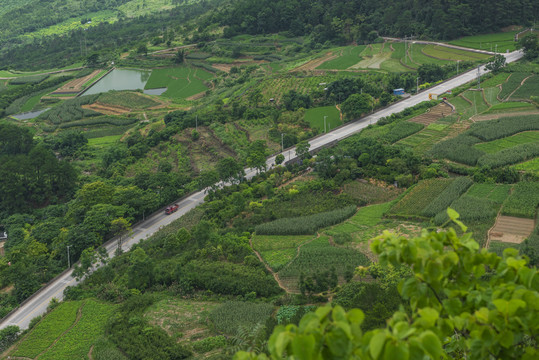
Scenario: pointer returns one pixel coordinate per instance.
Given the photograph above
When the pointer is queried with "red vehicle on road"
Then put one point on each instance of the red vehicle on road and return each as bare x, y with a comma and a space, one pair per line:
172, 208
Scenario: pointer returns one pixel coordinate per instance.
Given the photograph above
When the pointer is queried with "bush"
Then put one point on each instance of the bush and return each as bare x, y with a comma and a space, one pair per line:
210, 343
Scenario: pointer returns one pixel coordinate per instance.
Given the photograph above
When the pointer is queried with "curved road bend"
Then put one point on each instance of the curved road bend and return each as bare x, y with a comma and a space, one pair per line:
37, 305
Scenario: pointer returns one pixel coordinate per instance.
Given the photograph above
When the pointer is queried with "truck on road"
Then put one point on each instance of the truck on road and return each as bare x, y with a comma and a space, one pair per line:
172, 208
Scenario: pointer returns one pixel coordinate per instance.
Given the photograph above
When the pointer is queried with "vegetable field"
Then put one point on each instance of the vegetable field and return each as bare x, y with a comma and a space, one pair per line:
319, 256
512, 83
131, 100
523, 201
495, 192
277, 251
64, 335
305, 224
229, 316
446, 53
529, 88
508, 142
419, 197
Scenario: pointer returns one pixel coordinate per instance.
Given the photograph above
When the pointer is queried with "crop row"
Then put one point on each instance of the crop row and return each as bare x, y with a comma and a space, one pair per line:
402, 130
512, 83
70, 110
495, 192
446, 197
48, 330
529, 88
319, 256
130, 100
305, 224
229, 316
500, 128
471, 209
516, 154
24, 80
523, 201
459, 149
419, 197
115, 121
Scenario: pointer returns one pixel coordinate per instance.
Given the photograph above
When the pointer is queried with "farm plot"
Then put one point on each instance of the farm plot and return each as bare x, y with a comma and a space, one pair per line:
190, 320
368, 193
446, 53
512, 83
529, 166
433, 114
315, 117
181, 82
77, 85
495, 192
277, 251
373, 56
523, 201
508, 142
476, 97
319, 256
422, 141
419, 197
511, 229
529, 88
419, 58
504, 40
347, 57
64, 337
127, 99
48, 330
505, 109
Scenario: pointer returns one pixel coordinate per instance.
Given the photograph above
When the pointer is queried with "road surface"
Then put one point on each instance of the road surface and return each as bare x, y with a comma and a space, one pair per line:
38, 303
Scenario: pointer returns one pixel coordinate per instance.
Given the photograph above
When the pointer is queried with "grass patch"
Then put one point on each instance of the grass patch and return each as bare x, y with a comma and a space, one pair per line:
131, 100
278, 251
104, 140
348, 56
529, 166
504, 40
315, 117
181, 82
366, 193
509, 106
508, 142
442, 52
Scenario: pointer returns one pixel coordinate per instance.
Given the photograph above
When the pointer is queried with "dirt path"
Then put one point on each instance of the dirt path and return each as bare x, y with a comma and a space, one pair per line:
502, 115
313, 64
90, 356
340, 112
79, 316
275, 275
521, 83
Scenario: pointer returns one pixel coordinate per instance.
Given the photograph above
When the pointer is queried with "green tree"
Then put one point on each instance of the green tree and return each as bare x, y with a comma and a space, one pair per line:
302, 150
180, 56
530, 45
355, 105
142, 49
464, 303
496, 63
279, 159
229, 170
256, 155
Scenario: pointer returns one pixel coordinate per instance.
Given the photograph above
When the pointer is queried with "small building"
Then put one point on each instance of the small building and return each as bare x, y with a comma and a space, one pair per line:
398, 92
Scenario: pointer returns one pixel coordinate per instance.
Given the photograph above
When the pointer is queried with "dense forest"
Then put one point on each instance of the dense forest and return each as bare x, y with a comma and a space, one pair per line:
351, 20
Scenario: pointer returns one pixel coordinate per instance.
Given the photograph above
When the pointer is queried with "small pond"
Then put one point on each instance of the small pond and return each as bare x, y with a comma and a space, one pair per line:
29, 115
121, 79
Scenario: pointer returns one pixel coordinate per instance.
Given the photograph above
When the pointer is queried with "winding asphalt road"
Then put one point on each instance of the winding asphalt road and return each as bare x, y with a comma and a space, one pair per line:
37, 304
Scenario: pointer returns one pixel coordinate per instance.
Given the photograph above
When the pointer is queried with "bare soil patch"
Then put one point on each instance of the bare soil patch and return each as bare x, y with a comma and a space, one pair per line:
502, 115
511, 229
75, 85
226, 67
434, 113
107, 109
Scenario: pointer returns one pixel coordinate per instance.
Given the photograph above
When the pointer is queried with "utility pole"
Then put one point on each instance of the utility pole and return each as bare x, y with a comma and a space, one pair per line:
458, 67
325, 116
478, 77
417, 85
496, 49
68, 259
282, 142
